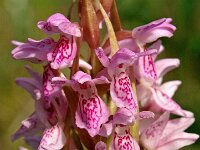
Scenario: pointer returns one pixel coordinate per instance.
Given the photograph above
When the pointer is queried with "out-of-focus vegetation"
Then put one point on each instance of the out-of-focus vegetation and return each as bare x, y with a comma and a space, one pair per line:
18, 19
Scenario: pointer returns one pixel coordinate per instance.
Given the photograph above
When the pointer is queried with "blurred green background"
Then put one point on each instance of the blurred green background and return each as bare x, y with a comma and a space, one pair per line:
18, 19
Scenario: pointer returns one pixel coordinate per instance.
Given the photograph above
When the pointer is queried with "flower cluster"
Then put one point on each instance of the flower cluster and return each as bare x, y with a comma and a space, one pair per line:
115, 101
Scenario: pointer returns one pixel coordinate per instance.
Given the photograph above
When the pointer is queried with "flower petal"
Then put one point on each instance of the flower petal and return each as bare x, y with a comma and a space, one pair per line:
122, 93
146, 115
50, 90
91, 113
145, 70
165, 65
170, 87
29, 126
34, 51
178, 141
81, 77
151, 32
124, 141
100, 146
31, 85
101, 80
176, 125
123, 117
53, 138
162, 102
102, 57
106, 129
64, 52
150, 137
51, 25
70, 29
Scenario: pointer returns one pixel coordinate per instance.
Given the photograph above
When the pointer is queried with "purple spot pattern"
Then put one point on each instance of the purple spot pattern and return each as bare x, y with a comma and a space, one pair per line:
149, 68
123, 142
48, 87
90, 108
124, 92
64, 52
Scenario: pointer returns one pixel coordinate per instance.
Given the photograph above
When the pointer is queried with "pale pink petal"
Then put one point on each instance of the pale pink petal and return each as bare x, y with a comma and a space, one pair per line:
170, 87
164, 101
146, 115
150, 137
158, 46
57, 18
30, 53
16, 43
81, 77
61, 81
100, 146
45, 44
184, 113
34, 51
143, 94
84, 64
123, 117
151, 32
51, 25
64, 52
129, 43
106, 129
58, 23
22, 148
176, 125
102, 57
70, 29
101, 80
165, 65
53, 138
178, 141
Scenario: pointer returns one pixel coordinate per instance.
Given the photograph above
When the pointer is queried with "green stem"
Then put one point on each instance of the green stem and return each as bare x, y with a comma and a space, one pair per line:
113, 40
135, 127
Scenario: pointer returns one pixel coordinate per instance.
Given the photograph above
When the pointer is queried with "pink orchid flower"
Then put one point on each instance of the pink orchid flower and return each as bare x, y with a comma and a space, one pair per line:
117, 67
38, 51
91, 110
165, 134
143, 35
43, 94
158, 98
65, 50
